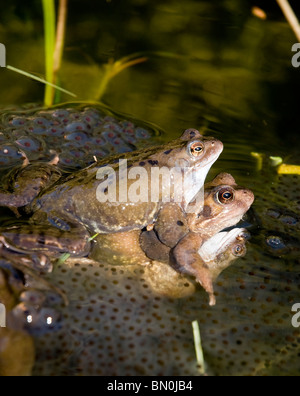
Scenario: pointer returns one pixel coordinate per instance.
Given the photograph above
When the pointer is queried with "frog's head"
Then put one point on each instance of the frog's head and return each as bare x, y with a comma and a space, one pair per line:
225, 203
193, 155
224, 247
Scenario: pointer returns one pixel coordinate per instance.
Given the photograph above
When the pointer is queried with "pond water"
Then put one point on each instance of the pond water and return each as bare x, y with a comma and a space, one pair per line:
209, 64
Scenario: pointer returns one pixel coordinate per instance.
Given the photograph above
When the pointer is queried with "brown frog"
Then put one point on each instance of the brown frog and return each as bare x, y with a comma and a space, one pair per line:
68, 213
224, 205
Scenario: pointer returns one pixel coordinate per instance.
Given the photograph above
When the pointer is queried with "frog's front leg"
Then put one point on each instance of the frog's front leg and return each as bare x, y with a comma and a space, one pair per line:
186, 259
171, 225
49, 240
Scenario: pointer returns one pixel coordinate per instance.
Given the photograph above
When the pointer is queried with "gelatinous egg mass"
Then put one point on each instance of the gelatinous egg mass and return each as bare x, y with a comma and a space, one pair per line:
91, 130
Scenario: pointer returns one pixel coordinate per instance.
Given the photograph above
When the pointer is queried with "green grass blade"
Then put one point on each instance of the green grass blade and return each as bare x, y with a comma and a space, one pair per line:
41, 80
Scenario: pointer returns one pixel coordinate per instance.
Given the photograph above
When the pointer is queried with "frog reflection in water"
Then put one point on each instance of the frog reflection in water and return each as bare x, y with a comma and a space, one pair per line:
177, 237
68, 213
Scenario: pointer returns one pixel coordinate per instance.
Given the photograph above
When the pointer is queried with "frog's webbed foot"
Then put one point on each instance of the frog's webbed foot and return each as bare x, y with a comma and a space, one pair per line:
171, 225
185, 259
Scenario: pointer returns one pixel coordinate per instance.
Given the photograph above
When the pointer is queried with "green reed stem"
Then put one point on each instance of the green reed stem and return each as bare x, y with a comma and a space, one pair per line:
49, 27
60, 38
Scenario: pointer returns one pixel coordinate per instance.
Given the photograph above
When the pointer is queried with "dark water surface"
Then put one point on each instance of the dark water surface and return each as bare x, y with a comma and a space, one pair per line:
212, 64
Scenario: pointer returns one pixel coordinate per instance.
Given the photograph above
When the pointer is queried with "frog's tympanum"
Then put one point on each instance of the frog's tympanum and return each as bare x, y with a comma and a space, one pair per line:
215, 255
67, 214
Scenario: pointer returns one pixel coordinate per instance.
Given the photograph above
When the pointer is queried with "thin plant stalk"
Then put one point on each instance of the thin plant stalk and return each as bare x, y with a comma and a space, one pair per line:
113, 68
60, 38
290, 16
49, 27
198, 347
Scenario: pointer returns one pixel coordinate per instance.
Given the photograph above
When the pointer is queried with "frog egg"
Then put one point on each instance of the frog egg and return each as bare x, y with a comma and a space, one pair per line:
9, 153
92, 117
109, 119
29, 144
96, 141
289, 220
98, 153
109, 136
127, 125
66, 159
142, 133
76, 127
18, 122
275, 242
61, 114
121, 146
55, 131
112, 126
77, 138
41, 122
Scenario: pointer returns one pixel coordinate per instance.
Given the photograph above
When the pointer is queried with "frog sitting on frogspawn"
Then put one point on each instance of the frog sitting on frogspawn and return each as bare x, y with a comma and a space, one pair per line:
67, 214
224, 205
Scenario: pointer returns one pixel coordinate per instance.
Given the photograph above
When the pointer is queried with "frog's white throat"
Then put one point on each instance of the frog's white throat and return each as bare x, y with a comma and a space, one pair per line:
194, 188
219, 243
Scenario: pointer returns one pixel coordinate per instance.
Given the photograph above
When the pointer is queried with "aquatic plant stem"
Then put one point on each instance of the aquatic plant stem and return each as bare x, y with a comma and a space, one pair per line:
60, 38
290, 16
113, 68
49, 27
198, 347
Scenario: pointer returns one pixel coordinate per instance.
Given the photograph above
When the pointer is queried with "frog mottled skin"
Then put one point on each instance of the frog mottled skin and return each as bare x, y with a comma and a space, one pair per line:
66, 215
27, 181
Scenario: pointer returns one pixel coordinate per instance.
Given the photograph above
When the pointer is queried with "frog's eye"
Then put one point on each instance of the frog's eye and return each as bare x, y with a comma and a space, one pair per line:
196, 149
225, 195
239, 250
